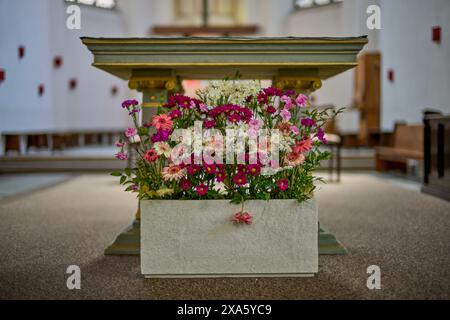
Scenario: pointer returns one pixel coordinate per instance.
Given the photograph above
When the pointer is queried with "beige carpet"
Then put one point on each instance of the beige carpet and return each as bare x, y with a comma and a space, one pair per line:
404, 232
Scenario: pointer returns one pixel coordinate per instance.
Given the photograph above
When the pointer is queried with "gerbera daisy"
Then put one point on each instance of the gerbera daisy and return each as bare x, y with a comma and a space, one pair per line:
163, 148
202, 190
173, 173
294, 159
162, 122
302, 146
240, 179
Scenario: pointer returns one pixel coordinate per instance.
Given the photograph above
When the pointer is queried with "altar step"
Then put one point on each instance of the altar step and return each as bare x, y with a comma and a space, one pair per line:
101, 159
129, 243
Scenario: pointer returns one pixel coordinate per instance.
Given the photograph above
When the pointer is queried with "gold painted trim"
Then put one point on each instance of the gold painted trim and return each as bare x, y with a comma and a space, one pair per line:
151, 105
223, 64
222, 41
219, 52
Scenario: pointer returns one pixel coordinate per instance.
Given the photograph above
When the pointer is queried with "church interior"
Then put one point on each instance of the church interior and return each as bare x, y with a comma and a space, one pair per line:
385, 200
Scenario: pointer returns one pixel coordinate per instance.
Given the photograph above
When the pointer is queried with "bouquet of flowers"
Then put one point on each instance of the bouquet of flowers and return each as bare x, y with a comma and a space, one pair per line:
234, 141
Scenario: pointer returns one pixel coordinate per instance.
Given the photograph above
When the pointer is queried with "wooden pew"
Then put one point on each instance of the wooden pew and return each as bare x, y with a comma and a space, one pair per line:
408, 145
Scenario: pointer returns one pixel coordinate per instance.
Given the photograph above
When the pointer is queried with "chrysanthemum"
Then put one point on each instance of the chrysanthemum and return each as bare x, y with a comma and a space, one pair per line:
173, 173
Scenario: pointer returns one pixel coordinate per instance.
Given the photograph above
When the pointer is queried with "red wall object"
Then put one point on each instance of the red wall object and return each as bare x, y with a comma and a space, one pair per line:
41, 90
114, 90
437, 34
73, 83
2, 75
391, 75
57, 62
21, 52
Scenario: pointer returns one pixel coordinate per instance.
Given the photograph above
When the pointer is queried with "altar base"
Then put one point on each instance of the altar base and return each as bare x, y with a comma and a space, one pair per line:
129, 243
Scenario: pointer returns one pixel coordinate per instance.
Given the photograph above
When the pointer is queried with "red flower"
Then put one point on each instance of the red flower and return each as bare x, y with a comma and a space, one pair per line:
247, 218
240, 179
221, 176
209, 124
151, 156
302, 146
185, 184
175, 114
283, 184
254, 170
162, 122
242, 217
210, 168
193, 169
271, 110
202, 190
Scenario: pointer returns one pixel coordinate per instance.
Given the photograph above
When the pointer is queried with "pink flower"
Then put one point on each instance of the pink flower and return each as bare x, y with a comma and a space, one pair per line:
185, 184
283, 184
175, 114
247, 218
242, 217
308, 122
294, 159
122, 156
173, 173
302, 146
285, 114
204, 108
240, 179
120, 144
131, 132
151, 155
237, 218
301, 100
255, 124
288, 104
295, 130
162, 122
202, 190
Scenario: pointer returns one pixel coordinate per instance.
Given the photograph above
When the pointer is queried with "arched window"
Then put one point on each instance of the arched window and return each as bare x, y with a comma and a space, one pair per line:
105, 4
303, 4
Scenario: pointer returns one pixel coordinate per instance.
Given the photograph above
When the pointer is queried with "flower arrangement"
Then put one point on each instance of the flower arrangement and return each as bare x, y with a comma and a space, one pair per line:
273, 141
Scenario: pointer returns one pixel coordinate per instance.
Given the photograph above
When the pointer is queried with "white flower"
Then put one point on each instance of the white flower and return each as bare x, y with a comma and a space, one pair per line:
162, 148
135, 139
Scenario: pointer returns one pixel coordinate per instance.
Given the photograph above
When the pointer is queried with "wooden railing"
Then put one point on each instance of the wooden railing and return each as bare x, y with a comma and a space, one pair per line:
24, 142
437, 156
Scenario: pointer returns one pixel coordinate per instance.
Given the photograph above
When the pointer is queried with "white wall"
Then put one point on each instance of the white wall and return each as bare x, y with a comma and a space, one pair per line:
422, 67
41, 27
344, 19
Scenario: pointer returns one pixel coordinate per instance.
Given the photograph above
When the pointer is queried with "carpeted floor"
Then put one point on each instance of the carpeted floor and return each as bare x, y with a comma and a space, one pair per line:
404, 232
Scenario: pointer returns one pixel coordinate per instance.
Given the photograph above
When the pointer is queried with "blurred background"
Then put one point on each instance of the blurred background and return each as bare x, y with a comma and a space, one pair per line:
58, 113
60, 118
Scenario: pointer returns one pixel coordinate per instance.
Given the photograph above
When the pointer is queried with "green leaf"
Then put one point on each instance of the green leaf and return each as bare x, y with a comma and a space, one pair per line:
123, 179
116, 174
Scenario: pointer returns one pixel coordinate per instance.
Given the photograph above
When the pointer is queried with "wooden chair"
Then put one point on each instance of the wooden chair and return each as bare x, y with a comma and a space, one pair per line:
408, 145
